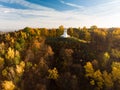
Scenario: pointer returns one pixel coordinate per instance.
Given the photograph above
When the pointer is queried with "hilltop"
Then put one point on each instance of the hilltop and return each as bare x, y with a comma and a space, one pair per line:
39, 59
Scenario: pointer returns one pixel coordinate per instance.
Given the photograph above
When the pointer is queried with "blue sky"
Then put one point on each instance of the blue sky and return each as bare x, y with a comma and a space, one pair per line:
17, 14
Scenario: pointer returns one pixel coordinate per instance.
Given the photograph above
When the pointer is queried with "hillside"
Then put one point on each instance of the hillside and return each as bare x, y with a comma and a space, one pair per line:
39, 59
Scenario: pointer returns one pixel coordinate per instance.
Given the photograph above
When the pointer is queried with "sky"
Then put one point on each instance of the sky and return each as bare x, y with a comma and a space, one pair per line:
17, 14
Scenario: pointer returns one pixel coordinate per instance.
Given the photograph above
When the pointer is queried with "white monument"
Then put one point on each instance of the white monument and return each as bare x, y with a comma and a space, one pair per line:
65, 35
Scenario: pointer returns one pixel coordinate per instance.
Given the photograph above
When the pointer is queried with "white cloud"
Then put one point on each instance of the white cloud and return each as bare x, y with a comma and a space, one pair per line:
71, 4
104, 15
111, 7
27, 4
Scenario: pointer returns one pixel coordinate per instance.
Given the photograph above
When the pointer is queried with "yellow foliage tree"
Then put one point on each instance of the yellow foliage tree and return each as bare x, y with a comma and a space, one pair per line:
8, 85
99, 79
20, 67
23, 35
10, 54
7, 37
107, 80
89, 69
1, 62
116, 71
53, 73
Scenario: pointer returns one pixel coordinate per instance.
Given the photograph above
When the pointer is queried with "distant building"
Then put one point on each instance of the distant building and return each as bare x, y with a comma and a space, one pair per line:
65, 35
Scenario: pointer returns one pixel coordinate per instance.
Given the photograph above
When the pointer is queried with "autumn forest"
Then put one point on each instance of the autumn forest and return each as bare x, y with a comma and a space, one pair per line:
40, 59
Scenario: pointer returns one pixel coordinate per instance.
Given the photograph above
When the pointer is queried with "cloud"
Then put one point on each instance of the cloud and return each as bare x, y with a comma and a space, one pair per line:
71, 4
18, 18
26, 4
105, 9
102, 15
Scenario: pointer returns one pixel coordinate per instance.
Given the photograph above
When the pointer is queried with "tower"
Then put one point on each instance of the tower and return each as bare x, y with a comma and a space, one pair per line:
65, 35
